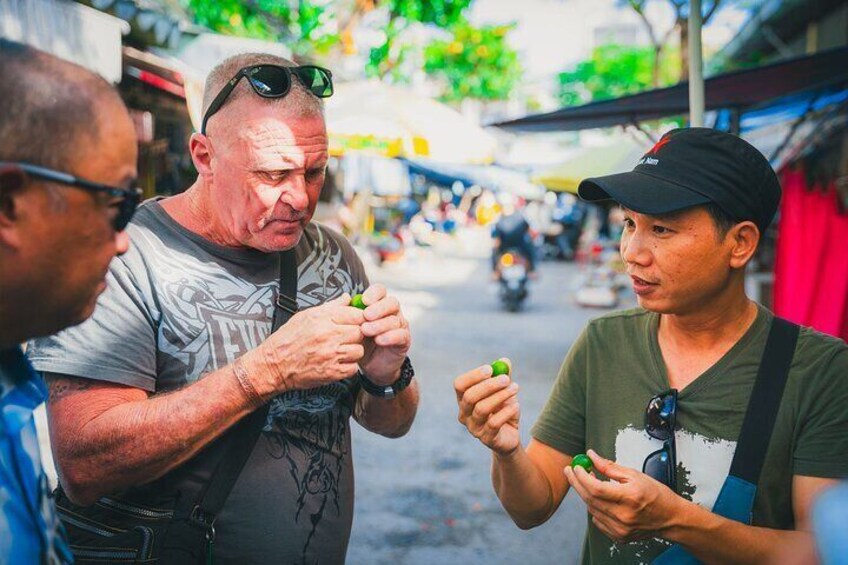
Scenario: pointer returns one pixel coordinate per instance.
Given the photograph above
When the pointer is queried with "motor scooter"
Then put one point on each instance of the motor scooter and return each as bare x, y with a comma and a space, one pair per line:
511, 269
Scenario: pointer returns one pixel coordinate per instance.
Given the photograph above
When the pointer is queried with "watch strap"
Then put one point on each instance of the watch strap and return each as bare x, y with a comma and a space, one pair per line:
392, 390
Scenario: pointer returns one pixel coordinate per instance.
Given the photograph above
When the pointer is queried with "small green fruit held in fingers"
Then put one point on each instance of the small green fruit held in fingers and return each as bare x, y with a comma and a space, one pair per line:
582, 460
500, 368
357, 302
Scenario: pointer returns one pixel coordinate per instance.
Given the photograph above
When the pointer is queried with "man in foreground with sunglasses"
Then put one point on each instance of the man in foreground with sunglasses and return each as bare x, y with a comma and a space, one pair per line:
714, 430
67, 157
203, 413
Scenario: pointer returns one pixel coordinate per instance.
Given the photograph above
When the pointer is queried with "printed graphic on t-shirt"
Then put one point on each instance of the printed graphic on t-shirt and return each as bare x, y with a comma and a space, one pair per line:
324, 274
702, 467
315, 461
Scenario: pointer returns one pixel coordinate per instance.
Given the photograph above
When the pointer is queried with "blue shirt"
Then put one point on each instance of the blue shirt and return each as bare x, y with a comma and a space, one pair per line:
29, 529
830, 515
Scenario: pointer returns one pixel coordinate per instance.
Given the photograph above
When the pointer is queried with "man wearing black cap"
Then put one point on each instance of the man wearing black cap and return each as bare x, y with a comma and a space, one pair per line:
657, 395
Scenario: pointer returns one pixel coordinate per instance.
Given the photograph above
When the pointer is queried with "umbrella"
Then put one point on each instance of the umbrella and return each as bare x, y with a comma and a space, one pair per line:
590, 162
392, 121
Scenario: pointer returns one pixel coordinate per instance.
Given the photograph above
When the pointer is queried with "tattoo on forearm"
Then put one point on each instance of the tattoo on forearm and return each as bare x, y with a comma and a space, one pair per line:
60, 387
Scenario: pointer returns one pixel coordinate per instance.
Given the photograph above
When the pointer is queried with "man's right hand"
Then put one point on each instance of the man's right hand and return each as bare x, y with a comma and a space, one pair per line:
315, 347
489, 408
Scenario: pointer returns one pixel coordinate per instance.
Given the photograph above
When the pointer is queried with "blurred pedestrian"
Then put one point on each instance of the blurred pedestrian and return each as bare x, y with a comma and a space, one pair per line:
829, 543
512, 232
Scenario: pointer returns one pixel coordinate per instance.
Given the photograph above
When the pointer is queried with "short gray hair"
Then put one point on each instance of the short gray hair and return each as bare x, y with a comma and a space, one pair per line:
299, 100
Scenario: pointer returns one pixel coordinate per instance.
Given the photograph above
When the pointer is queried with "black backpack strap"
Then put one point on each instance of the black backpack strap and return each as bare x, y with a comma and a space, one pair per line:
195, 516
764, 402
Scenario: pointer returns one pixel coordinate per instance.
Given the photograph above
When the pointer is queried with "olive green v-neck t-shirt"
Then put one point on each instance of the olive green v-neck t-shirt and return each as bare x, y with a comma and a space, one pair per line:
615, 367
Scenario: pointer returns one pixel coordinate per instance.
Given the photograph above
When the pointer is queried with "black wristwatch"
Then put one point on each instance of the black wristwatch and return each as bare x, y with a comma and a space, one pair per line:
392, 390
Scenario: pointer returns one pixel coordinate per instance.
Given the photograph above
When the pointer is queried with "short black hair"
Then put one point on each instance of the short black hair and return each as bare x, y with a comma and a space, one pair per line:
49, 106
721, 218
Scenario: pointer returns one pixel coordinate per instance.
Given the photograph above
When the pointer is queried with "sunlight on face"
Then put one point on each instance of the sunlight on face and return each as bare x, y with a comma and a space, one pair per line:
268, 175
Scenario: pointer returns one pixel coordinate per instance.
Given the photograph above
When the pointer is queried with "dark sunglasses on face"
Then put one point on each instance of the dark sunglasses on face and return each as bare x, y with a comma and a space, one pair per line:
274, 81
660, 419
129, 197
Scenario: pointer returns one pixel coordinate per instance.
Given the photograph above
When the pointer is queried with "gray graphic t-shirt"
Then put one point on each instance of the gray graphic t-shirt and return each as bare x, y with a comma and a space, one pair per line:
178, 307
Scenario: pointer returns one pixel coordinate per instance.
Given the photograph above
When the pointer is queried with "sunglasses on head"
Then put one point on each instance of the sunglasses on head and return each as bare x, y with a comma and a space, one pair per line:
274, 81
129, 197
660, 419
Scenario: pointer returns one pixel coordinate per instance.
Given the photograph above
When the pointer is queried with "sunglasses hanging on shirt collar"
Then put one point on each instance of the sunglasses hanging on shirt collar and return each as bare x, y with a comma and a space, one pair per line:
660, 420
274, 81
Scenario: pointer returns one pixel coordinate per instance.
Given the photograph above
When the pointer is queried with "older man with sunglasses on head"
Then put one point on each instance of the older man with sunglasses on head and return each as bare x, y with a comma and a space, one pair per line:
188, 427
67, 155
711, 424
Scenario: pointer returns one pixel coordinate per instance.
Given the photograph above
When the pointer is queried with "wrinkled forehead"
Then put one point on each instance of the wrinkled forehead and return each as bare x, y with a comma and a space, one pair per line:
269, 139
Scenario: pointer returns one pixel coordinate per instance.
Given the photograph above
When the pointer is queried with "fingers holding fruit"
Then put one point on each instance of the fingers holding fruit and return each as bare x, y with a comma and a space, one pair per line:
488, 406
381, 313
500, 430
476, 386
464, 382
386, 333
377, 301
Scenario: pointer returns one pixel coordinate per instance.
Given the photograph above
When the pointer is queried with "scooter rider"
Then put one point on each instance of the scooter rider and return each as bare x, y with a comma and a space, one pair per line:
512, 232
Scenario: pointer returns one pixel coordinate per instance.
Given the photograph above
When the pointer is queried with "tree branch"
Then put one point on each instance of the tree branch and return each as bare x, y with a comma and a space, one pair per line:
713, 9
638, 7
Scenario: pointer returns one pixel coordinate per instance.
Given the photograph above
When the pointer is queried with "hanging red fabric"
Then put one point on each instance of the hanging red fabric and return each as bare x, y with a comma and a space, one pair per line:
811, 264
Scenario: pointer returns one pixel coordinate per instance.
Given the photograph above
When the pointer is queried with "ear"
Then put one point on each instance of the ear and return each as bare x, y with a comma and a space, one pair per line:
744, 237
13, 186
201, 153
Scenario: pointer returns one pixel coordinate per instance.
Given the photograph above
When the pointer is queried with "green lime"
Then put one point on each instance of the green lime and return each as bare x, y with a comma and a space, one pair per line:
357, 302
582, 461
500, 368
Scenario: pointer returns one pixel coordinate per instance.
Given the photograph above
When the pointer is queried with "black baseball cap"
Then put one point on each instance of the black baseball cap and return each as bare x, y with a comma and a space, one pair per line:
691, 167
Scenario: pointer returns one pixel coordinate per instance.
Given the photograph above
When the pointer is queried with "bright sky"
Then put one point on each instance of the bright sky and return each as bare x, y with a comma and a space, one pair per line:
555, 34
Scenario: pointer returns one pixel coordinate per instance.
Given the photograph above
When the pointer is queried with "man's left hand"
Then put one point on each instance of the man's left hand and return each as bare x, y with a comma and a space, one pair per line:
630, 506
387, 337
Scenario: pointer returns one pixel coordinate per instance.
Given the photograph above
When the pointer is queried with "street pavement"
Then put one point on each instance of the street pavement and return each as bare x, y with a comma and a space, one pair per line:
427, 498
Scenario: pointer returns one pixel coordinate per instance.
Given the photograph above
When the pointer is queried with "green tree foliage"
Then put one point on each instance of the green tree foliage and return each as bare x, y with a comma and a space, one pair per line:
442, 13
471, 62
474, 63
613, 71
680, 8
388, 59
302, 24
